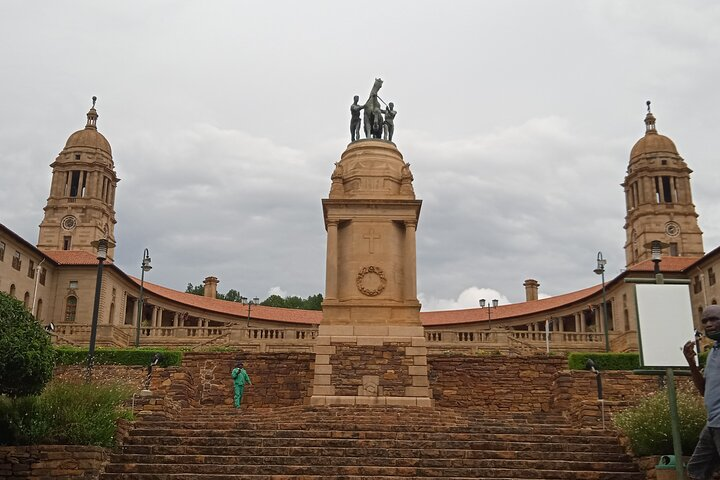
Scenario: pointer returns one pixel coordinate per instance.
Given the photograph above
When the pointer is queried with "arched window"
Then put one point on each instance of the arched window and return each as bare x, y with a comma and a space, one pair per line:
12, 290
111, 320
38, 311
70, 308
26, 300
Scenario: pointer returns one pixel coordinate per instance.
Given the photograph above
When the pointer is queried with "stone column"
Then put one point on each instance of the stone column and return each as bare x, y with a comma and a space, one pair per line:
410, 286
135, 318
331, 282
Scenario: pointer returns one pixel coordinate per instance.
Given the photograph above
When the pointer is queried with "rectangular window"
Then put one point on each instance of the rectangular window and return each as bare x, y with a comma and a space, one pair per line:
674, 249
667, 191
41, 278
2, 251
74, 183
16, 262
31, 269
67, 243
711, 276
697, 284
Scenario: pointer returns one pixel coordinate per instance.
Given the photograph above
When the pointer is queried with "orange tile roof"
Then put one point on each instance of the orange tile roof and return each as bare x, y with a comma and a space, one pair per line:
259, 312
72, 257
475, 315
667, 264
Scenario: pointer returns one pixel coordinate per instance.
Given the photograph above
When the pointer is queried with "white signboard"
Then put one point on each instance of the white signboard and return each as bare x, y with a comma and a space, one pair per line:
664, 324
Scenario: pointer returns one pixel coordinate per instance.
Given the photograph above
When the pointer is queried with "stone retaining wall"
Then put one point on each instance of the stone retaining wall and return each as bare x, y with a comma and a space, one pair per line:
51, 461
279, 379
494, 383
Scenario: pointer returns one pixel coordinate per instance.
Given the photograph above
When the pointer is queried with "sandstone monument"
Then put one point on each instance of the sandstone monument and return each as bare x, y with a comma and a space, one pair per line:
371, 345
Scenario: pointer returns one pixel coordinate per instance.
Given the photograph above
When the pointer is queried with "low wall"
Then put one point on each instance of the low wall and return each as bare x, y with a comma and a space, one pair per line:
51, 461
279, 379
575, 393
494, 383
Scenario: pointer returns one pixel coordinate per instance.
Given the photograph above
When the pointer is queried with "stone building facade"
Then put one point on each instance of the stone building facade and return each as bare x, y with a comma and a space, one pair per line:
56, 278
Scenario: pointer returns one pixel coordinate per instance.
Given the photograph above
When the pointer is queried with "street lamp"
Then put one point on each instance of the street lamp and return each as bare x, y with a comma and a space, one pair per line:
254, 301
102, 246
600, 270
656, 247
144, 267
489, 308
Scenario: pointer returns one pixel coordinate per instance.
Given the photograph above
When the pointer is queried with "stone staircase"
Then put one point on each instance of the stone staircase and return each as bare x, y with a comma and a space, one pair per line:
359, 442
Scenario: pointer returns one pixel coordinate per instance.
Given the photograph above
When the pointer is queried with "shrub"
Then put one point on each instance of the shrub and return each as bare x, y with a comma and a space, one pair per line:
648, 427
26, 354
65, 413
605, 361
117, 356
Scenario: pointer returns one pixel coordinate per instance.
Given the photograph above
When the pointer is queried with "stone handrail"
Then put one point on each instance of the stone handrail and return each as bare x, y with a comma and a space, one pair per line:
502, 339
301, 338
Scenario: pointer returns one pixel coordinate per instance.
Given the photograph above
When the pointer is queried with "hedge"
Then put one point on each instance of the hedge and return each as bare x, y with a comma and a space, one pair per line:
117, 356
612, 361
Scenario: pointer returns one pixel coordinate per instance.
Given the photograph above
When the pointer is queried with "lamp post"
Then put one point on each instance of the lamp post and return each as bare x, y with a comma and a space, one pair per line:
600, 270
254, 301
144, 267
656, 247
494, 302
102, 247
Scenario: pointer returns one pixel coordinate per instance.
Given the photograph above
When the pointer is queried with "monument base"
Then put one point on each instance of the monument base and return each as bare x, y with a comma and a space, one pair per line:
371, 365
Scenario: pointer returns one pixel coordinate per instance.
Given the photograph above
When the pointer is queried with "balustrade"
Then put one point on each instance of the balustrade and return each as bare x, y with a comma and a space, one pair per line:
287, 338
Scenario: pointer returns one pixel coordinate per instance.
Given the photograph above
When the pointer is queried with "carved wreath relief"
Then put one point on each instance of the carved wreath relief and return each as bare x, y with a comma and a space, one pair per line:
371, 281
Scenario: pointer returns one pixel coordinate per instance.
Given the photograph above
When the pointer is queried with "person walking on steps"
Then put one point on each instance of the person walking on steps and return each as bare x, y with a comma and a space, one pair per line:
240, 378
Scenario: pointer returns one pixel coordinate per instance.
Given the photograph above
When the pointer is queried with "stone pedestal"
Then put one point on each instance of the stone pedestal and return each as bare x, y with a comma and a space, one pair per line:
371, 345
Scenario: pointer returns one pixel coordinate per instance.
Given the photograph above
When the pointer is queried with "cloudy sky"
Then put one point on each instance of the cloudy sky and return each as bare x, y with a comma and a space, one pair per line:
225, 119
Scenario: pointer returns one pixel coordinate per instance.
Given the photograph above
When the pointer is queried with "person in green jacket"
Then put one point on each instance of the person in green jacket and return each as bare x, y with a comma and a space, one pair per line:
240, 378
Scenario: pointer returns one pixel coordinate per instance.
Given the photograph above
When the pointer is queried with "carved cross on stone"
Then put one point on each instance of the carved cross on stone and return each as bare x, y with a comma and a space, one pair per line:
371, 236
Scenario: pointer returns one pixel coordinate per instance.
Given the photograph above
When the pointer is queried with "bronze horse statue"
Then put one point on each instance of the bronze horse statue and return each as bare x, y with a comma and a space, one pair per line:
372, 115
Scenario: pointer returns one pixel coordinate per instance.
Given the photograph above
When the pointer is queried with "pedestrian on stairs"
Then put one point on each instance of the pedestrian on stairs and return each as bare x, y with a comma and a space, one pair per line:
240, 378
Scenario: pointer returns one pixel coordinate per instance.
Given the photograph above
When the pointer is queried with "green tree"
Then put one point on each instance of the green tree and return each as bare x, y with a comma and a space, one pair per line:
274, 301
195, 290
313, 302
26, 354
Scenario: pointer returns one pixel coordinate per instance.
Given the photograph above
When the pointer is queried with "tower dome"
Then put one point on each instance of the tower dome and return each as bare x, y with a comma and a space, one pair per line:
658, 199
81, 205
652, 142
89, 137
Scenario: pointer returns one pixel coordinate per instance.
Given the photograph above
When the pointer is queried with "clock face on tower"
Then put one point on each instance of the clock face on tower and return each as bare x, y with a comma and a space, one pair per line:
69, 222
672, 229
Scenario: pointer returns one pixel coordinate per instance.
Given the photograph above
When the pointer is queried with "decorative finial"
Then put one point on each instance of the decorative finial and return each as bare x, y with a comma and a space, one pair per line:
92, 116
649, 120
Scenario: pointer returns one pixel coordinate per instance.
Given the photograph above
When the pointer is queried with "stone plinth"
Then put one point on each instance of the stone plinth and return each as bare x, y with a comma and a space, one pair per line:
371, 346
371, 365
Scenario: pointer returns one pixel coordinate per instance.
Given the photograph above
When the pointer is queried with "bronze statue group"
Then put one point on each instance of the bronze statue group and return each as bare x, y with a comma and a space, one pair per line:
375, 125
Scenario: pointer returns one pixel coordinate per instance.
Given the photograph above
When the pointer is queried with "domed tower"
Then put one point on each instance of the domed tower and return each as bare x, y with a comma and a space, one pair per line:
80, 208
658, 199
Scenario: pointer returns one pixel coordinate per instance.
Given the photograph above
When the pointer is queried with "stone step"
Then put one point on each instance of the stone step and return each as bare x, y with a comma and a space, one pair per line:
361, 417
180, 476
586, 453
490, 442
250, 429
338, 471
570, 436
418, 460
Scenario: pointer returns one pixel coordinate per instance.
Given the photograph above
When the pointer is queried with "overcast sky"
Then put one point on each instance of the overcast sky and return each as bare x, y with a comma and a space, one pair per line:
225, 119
